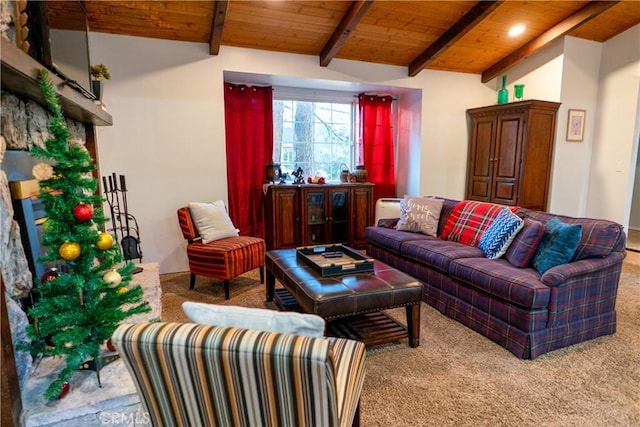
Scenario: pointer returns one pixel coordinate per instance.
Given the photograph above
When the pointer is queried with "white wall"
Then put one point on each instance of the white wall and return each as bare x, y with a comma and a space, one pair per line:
166, 99
615, 143
579, 73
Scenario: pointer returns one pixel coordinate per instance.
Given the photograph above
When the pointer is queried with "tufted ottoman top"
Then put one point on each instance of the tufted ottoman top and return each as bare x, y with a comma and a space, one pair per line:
342, 295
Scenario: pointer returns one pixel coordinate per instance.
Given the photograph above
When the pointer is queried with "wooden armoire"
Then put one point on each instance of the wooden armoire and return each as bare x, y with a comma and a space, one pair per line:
511, 152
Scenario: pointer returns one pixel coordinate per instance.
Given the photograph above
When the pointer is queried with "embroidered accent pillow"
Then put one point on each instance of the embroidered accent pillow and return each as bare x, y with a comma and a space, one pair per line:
284, 322
469, 220
420, 214
498, 237
212, 221
558, 244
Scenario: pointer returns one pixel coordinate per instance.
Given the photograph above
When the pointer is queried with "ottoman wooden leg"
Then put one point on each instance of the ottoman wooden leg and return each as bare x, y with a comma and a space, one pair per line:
262, 274
192, 281
413, 324
270, 285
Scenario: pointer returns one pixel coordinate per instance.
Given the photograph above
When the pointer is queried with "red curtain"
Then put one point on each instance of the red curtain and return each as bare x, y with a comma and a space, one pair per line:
249, 134
376, 143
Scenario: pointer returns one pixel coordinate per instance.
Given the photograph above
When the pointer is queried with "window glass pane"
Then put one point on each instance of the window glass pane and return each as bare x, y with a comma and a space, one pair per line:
316, 136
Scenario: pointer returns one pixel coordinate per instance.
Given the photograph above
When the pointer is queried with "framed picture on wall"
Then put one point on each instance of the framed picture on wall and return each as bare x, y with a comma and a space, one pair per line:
575, 125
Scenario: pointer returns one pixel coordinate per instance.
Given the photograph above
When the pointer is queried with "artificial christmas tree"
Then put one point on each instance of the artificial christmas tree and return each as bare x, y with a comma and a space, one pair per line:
78, 309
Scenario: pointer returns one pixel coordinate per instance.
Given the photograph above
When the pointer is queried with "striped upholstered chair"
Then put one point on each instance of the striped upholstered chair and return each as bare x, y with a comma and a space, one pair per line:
221, 259
190, 374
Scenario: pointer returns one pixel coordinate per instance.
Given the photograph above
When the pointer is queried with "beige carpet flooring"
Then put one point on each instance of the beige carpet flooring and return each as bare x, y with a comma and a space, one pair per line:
460, 378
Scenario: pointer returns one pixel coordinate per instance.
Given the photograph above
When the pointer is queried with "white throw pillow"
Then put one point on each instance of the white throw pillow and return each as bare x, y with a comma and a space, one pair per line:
212, 221
255, 318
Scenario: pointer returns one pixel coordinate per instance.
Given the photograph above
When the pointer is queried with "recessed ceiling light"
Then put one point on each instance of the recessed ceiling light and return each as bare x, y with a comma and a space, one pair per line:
516, 31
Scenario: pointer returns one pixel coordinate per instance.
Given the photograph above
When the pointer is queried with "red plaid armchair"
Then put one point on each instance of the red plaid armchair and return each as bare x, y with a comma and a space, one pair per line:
221, 259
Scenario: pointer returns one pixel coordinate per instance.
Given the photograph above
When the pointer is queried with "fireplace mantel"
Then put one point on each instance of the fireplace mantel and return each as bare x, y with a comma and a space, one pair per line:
20, 76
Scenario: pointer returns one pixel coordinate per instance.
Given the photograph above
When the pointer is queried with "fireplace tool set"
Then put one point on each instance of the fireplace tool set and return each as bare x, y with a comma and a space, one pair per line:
124, 225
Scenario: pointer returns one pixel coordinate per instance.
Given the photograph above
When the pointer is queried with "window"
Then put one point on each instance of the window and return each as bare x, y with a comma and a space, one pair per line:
316, 136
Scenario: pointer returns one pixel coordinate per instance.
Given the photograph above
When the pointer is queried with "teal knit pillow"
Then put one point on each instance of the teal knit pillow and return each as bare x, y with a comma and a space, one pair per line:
558, 245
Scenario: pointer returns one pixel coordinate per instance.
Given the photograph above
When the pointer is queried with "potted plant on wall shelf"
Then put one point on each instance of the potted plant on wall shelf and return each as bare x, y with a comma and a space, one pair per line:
98, 72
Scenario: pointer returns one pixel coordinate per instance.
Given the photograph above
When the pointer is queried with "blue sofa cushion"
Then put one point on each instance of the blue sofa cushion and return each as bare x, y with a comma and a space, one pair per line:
437, 253
391, 239
558, 245
499, 278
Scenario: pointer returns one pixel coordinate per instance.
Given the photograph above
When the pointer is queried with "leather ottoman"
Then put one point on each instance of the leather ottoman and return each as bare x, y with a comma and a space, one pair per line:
357, 298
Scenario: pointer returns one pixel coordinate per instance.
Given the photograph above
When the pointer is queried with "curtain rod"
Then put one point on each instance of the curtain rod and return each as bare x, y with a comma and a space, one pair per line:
393, 98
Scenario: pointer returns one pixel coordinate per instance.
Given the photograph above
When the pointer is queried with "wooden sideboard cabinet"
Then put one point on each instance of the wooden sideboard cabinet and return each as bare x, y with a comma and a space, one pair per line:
511, 152
301, 215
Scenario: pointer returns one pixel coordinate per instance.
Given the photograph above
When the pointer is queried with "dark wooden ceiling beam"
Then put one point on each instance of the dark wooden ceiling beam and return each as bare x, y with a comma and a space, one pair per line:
465, 24
217, 24
585, 14
343, 30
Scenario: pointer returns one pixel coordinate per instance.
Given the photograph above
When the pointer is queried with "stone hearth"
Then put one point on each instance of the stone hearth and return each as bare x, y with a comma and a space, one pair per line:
86, 404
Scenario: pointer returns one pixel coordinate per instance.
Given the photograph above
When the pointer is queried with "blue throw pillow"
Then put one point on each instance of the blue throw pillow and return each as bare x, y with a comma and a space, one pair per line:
558, 244
496, 239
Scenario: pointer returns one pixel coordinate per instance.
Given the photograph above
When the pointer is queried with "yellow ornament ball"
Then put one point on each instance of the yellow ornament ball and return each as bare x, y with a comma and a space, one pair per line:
113, 278
105, 241
123, 290
69, 251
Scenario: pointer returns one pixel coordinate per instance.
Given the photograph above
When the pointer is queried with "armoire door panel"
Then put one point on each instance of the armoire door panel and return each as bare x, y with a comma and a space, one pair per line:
504, 192
480, 189
507, 157
482, 152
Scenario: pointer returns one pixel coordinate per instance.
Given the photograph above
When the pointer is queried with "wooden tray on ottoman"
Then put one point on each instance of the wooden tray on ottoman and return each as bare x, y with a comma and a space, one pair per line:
333, 260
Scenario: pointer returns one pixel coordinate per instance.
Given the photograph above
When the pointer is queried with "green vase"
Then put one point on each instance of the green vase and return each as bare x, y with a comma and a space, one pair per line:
503, 94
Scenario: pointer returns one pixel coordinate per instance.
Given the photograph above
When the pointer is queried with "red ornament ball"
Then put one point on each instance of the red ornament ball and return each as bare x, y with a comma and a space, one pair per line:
83, 212
110, 346
64, 391
49, 275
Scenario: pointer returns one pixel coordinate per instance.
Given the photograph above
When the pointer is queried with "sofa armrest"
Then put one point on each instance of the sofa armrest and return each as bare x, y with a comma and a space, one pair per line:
584, 289
561, 274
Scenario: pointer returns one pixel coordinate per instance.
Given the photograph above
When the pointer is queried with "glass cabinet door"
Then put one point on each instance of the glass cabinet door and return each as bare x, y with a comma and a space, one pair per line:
316, 220
339, 218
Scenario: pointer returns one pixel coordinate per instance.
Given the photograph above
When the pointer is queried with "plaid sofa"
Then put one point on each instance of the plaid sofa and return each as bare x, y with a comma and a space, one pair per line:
528, 313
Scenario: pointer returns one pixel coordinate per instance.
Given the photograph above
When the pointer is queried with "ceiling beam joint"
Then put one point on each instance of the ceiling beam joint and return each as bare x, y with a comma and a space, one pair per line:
217, 24
465, 24
579, 18
343, 30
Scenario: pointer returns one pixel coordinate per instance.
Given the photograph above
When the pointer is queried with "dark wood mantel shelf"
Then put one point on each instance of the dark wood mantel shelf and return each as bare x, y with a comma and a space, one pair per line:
20, 76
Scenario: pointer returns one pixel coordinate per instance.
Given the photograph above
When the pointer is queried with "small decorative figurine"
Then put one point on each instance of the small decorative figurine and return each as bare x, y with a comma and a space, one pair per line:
298, 174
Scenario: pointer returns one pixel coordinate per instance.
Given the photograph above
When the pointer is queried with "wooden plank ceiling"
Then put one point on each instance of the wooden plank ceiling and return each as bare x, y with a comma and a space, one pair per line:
461, 36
